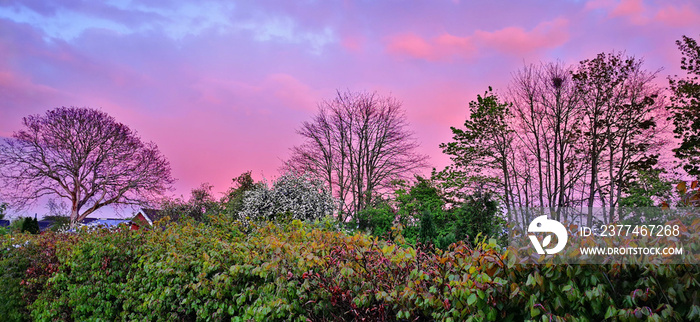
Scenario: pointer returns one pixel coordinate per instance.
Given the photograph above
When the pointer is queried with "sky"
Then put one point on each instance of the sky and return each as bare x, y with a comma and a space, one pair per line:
222, 86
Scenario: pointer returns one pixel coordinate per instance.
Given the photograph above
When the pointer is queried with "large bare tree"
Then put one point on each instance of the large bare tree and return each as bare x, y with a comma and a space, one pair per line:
622, 108
357, 144
84, 156
547, 122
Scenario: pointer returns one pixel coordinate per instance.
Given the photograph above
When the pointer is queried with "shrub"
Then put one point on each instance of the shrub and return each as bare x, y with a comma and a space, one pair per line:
91, 276
30, 225
376, 220
298, 271
293, 195
26, 264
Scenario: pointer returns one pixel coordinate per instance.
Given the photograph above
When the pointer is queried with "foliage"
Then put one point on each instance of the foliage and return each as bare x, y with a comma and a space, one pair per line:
690, 194
417, 201
292, 195
685, 105
296, 271
647, 189
483, 143
427, 229
422, 216
30, 225
200, 206
60, 223
232, 202
478, 216
376, 220
90, 277
3, 210
16, 225
27, 262
82, 155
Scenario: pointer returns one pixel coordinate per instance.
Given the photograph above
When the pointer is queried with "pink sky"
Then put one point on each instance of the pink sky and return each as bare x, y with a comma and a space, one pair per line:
221, 86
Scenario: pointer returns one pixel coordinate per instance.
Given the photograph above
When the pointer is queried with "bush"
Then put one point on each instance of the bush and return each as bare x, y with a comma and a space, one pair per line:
294, 196
376, 220
477, 215
30, 225
90, 278
298, 271
60, 223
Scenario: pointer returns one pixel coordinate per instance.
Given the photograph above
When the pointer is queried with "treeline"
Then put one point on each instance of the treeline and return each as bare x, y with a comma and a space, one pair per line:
580, 141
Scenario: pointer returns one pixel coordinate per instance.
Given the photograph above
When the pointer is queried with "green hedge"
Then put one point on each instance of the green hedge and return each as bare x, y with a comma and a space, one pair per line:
298, 271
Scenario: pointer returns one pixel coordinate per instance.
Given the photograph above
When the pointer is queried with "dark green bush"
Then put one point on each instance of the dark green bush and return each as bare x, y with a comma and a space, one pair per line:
30, 225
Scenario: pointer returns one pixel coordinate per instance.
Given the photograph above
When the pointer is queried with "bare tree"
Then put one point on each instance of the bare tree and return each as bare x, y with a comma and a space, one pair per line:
621, 108
357, 144
546, 122
82, 155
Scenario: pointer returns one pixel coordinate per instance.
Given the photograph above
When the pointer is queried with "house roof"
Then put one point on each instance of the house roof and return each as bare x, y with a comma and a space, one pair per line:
151, 215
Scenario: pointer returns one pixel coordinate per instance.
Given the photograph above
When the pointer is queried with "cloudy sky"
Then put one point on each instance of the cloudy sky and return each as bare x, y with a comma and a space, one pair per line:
221, 86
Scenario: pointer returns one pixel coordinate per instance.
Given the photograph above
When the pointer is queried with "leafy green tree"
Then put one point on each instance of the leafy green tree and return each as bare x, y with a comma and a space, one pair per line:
480, 150
427, 229
647, 189
376, 219
423, 196
413, 202
199, 207
685, 105
478, 214
232, 202
30, 225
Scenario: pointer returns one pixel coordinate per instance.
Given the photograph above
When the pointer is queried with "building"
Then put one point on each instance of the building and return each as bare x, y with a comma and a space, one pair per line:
145, 218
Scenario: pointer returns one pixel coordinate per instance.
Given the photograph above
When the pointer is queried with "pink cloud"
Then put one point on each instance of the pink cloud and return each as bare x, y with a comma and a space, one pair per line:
411, 45
453, 45
510, 40
442, 47
293, 92
546, 34
678, 16
639, 13
630, 8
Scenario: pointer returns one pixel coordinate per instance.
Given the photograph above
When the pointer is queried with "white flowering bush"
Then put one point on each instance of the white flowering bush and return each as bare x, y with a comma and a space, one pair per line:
291, 197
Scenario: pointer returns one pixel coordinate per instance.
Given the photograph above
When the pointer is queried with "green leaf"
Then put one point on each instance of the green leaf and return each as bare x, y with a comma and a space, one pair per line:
471, 299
